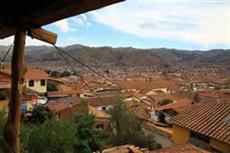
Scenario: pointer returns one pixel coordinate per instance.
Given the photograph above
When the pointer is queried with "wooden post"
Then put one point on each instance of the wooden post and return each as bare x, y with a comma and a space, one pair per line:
12, 128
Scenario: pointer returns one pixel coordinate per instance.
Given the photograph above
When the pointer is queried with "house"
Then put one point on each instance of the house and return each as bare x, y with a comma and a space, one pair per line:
140, 109
34, 79
63, 110
67, 111
4, 86
64, 93
165, 113
102, 118
204, 124
102, 102
220, 95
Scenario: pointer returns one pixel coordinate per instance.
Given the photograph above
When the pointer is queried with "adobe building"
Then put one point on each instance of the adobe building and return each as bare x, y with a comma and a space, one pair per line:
205, 125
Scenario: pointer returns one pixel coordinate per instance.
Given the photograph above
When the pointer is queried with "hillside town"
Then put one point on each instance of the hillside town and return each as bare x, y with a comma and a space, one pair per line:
114, 76
192, 112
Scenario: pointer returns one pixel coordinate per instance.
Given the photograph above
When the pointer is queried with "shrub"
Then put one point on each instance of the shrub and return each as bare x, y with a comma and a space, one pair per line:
66, 74
89, 139
54, 136
52, 86
127, 128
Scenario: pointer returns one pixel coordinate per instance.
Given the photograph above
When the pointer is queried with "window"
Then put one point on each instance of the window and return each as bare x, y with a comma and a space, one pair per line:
100, 126
199, 136
104, 108
31, 83
199, 140
43, 82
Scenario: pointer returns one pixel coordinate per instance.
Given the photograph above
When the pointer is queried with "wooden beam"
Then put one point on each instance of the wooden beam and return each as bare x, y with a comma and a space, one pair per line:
12, 128
63, 9
35, 14
43, 35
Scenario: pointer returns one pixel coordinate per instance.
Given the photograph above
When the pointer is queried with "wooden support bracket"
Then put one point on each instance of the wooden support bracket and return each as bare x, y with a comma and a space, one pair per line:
43, 35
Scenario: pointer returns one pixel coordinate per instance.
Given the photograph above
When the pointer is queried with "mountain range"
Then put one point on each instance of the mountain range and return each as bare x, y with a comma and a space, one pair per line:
126, 56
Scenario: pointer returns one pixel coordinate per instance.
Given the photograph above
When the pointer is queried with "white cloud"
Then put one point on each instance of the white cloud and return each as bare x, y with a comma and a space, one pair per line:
201, 22
81, 20
29, 41
63, 25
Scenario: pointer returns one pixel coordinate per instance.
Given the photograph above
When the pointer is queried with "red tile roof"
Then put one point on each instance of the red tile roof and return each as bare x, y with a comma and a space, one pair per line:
102, 101
208, 119
31, 74
57, 107
140, 109
174, 96
178, 106
223, 95
187, 148
145, 86
64, 93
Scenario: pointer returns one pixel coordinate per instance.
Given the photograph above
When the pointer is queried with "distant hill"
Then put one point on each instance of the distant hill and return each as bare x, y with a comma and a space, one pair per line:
126, 56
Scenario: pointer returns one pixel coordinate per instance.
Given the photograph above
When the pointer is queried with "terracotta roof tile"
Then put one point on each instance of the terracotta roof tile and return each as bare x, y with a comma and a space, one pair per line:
178, 106
63, 93
145, 86
102, 101
56, 107
208, 119
31, 74
187, 148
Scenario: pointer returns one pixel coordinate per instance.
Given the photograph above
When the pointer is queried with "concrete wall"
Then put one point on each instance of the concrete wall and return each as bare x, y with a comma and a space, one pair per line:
37, 86
216, 144
180, 135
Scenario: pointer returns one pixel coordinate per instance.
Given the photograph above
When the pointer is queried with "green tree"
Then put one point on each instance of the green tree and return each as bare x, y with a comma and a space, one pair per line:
51, 86
66, 74
40, 114
127, 128
53, 136
55, 74
88, 138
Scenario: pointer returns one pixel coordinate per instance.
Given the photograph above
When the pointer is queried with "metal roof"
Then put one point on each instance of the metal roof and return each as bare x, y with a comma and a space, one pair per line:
36, 13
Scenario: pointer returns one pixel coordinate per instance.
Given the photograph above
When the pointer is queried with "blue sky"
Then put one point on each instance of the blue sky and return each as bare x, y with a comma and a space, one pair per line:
181, 24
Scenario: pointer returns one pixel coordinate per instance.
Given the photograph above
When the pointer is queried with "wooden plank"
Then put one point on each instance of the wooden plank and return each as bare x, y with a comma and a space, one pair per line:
43, 35
6, 32
12, 128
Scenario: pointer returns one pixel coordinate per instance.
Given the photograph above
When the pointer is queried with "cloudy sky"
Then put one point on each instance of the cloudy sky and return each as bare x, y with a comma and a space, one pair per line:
181, 24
